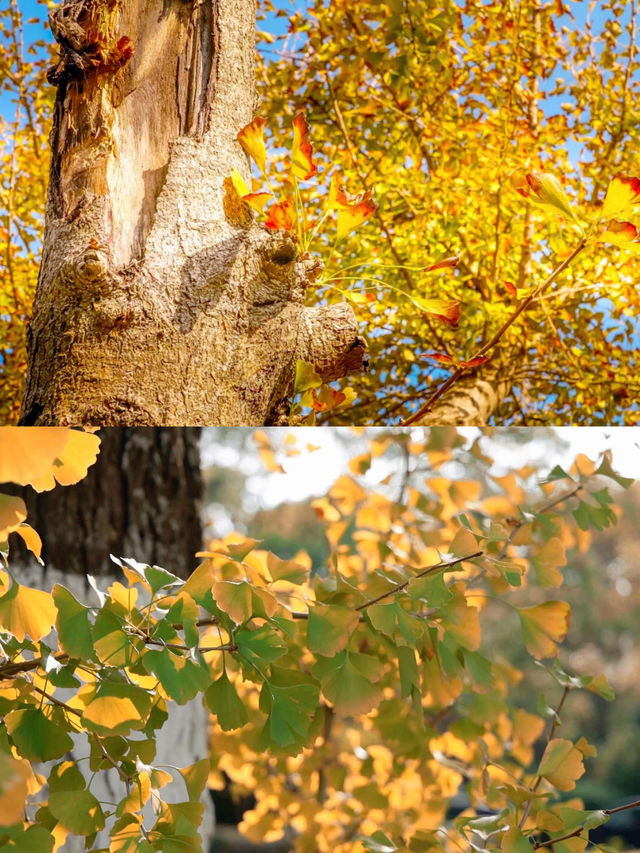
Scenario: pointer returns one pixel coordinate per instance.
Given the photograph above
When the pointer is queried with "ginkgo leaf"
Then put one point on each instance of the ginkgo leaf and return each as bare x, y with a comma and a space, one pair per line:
329, 628
281, 215
623, 193
26, 455
234, 598
256, 200
14, 788
446, 310
544, 626
251, 138
547, 562
348, 681
306, 377
78, 455
116, 708
72, 622
303, 165
561, 764
25, 611
12, 514
286, 570
290, 699
545, 191
31, 539
35, 736
351, 214
181, 678
222, 699
515, 841
77, 811
619, 234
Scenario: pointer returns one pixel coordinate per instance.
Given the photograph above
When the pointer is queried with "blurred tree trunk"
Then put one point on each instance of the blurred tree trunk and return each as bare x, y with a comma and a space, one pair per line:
160, 301
141, 499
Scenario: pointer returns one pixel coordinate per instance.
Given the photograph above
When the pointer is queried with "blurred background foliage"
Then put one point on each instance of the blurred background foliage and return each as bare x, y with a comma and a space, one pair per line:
601, 583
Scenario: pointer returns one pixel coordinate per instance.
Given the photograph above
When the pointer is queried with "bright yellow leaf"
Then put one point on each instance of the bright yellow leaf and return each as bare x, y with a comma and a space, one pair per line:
251, 138
25, 611
561, 764
543, 626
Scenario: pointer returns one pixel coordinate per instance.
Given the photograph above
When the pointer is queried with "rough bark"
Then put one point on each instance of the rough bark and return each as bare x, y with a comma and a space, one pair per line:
476, 396
160, 301
140, 499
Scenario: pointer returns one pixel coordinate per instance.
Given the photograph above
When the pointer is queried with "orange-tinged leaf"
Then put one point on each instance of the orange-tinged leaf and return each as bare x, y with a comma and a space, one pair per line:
25, 611
448, 311
72, 463
303, 165
439, 356
14, 788
251, 138
474, 362
619, 234
28, 454
510, 287
350, 213
561, 764
444, 264
32, 540
547, 562
623, 192
282, 215
256, 200
545, 191
543, 626
12, 513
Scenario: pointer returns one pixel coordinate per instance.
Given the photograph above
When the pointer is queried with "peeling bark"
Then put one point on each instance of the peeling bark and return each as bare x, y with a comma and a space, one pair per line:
159, 301
474, 398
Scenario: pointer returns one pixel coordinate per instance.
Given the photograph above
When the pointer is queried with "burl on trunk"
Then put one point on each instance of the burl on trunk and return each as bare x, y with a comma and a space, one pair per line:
153, 307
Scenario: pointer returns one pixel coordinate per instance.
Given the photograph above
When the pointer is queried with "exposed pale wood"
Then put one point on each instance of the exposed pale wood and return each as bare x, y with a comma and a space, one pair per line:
155, 304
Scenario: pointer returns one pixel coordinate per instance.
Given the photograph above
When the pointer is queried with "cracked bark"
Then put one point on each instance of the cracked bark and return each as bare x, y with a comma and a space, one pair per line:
158, 303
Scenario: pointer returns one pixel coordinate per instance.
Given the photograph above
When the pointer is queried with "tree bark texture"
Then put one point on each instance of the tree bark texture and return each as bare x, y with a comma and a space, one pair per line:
160, 301
141, 499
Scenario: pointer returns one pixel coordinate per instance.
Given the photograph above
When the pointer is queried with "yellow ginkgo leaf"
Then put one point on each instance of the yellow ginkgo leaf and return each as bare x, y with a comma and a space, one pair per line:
25, 611
561, 764
623, 192
545, 191
28, 454
619, 234
543, 626
31, 539
14, 788
251, 138
12, 513
72, 463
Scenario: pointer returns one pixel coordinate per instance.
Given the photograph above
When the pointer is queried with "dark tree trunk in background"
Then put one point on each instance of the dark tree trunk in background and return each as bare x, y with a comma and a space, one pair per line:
141, 499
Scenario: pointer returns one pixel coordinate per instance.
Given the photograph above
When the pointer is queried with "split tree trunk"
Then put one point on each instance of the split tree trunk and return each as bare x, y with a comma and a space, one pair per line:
159, 301
141, 499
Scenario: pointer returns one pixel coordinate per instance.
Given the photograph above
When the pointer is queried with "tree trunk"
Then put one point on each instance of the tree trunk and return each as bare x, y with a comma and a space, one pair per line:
476, 396
141, 499
159, 301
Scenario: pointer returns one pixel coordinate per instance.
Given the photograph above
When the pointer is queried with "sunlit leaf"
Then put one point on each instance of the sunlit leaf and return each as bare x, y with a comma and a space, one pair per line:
623, 194
303, 165
25, 611
561, 764
251, 138
544, 626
